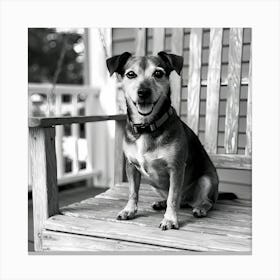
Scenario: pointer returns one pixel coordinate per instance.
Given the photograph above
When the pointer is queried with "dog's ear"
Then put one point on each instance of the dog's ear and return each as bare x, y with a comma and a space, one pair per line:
175, 62
116, 63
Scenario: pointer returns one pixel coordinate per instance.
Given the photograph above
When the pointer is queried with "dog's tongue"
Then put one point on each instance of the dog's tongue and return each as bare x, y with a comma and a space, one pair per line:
144, 108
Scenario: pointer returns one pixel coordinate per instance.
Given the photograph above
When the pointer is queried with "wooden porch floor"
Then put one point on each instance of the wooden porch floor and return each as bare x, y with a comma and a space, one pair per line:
91, 225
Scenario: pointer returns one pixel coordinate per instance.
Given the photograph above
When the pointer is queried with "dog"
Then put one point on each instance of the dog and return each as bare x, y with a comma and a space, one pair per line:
158, 144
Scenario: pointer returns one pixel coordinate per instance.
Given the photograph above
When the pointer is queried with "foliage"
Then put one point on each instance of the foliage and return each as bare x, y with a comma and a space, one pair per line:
45, 46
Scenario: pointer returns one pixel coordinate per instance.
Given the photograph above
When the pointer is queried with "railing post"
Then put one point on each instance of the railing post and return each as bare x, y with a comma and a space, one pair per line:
119, 165
44, 179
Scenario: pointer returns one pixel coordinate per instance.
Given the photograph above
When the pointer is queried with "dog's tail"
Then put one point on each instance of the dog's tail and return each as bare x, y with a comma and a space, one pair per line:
227, 196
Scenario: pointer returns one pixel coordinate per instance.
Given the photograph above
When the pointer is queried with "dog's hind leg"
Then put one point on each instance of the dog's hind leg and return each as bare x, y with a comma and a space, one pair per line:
160, 205
205, 196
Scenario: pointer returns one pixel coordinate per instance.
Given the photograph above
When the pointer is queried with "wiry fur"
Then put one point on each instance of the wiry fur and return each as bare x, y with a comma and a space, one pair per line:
171, 158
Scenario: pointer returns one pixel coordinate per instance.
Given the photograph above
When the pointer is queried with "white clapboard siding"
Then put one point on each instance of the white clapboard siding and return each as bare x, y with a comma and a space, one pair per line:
213, 89
248, 150
234, 77
194, 78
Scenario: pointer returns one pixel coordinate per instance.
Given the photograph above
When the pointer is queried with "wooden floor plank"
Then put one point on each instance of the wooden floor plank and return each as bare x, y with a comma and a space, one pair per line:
91, 225
149, 191
148, 235
104, 200
60, 241
149, 217
219, 212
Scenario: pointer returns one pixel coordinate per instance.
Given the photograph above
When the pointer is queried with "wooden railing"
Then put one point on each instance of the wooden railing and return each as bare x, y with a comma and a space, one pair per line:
43, 167
79, 101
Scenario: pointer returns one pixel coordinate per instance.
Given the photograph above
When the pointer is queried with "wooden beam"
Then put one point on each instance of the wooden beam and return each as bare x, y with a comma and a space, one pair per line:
44, 179
52, 121
176, 80
248, 150
231, 161
61, 89
234, 73
158, 40
84, 174
213, 90
194, 78
141, 42
119, 165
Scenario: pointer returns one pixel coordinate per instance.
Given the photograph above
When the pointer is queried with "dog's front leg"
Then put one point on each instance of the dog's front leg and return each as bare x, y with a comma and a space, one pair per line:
134, 177
170, 219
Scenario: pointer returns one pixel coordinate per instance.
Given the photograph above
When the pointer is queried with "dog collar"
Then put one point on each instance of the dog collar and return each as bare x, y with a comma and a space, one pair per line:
150, 127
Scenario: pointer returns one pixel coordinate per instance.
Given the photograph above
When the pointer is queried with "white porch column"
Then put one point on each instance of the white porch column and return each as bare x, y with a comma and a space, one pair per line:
101, 134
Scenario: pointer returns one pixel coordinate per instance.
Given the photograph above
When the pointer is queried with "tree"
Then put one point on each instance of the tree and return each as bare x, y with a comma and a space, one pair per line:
45, 46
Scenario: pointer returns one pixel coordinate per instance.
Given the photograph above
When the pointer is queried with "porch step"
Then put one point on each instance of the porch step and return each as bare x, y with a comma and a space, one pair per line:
93, 221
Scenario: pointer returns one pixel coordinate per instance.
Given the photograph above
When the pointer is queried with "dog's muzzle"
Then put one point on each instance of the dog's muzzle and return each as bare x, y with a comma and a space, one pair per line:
144, 106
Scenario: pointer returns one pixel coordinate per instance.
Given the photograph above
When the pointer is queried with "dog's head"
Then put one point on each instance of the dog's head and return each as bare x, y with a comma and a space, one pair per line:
145, 81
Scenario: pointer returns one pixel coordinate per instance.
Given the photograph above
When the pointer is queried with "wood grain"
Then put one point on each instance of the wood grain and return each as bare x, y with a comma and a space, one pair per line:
158, 40
248, 150
44, 178
119, 165
141, 42
213, 90
60, 241
175, 79
225, 219
194, 78
232, 161
147, 235
52, 121
92, 224
234, 73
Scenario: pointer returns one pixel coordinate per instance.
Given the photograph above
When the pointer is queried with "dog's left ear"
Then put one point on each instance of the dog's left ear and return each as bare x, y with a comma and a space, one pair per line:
116, 63
174, 61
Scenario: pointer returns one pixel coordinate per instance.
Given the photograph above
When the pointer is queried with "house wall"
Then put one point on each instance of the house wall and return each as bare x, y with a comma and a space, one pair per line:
123, 39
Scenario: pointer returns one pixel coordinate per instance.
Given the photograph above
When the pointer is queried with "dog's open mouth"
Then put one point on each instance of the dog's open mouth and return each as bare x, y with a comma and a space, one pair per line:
144, 109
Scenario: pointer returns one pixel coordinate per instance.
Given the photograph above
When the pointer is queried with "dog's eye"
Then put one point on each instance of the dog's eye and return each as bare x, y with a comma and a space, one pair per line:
131, 75
158, 74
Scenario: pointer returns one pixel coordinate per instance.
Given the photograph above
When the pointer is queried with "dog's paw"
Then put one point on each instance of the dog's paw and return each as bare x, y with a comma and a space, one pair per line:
126, 214
199, 212
159, 205
169, 224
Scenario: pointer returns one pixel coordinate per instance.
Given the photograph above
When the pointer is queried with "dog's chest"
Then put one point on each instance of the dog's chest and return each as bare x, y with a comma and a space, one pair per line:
151, 160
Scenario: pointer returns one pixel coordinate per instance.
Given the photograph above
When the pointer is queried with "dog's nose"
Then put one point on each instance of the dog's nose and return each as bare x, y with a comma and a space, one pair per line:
144, 92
